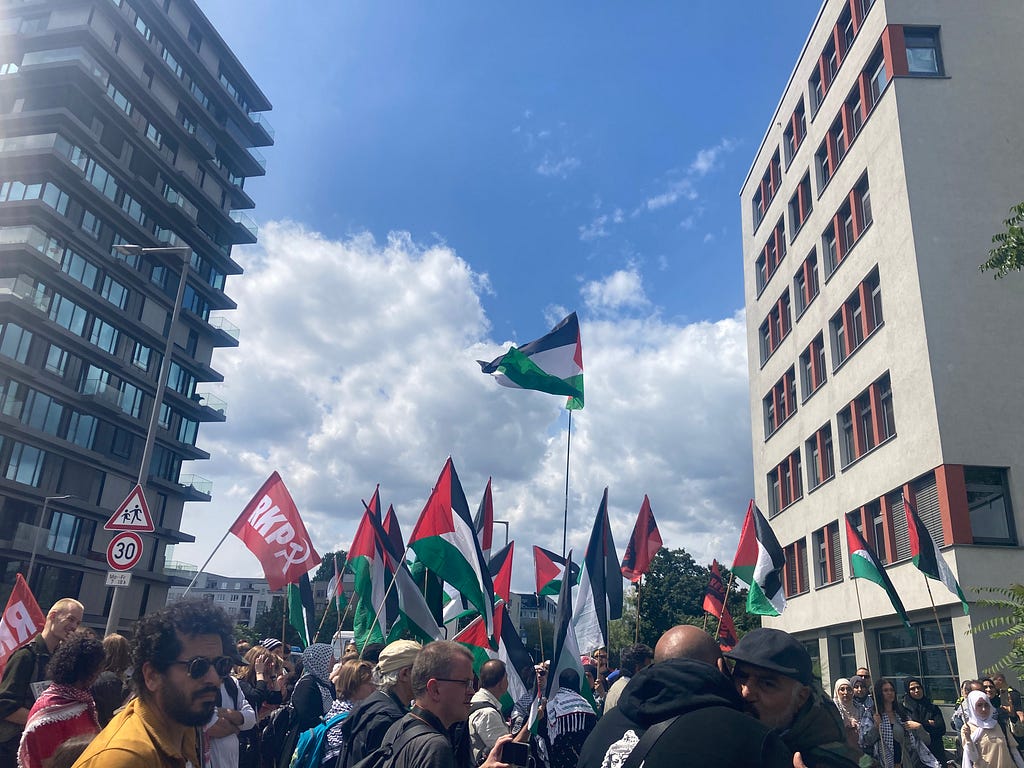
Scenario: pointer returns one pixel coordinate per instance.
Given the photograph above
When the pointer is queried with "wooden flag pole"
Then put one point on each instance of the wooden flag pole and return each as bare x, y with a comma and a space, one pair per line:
316, 636
725, 604
938, 625
863, 632
565, 517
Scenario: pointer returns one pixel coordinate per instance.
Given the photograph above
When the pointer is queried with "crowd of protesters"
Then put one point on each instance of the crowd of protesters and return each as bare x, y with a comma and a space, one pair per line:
182, 693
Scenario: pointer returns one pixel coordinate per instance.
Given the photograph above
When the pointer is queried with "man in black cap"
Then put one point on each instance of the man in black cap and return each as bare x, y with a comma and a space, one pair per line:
683, 710
774, 676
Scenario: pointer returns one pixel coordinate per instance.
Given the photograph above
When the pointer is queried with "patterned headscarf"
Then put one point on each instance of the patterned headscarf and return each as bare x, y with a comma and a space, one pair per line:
316, 663
843, 709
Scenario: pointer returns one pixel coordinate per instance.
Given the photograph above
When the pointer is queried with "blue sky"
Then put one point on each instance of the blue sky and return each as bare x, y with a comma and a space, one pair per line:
455, 176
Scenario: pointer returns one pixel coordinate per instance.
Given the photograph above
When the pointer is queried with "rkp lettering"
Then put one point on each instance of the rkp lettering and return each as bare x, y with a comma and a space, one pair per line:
17, 627
273, 526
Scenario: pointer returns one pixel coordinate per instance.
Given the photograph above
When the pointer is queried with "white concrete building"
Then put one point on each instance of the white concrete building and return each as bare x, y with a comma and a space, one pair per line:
883, 364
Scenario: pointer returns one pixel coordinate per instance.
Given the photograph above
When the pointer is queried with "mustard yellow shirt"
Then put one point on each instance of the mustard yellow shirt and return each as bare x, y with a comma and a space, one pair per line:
139, 736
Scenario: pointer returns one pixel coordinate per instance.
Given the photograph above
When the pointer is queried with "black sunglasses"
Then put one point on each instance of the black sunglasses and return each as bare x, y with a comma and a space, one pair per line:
200, 665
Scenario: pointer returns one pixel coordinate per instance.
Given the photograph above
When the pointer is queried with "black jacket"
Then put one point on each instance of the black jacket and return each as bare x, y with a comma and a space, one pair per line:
710, 729
364, 728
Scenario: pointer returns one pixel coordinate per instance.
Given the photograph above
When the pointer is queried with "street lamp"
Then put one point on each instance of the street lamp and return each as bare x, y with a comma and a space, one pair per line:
505, 523
185, 252
39, 525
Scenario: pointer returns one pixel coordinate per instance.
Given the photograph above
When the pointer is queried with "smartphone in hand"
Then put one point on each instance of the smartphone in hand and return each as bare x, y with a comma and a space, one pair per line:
515, 753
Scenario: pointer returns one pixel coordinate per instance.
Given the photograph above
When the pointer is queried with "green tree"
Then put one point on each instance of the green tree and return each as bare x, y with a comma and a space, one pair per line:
673, 593
1008, 254
1007, 625
326, 570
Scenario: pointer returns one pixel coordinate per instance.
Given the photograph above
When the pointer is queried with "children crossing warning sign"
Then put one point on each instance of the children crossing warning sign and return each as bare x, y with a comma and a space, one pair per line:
132, 515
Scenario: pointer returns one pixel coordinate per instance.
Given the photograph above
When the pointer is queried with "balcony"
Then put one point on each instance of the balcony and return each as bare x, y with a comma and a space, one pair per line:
246, 222
260, 121
196, 487
225, 328
256, 155
214, 403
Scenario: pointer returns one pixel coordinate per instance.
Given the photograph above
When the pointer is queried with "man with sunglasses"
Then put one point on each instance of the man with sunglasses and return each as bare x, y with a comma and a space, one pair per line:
179, 657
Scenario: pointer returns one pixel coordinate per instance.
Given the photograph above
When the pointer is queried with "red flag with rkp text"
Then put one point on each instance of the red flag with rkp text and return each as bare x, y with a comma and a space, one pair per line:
22, 620
271, 528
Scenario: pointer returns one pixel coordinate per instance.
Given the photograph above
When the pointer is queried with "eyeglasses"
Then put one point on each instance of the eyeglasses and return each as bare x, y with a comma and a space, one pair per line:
470, 684
200, 665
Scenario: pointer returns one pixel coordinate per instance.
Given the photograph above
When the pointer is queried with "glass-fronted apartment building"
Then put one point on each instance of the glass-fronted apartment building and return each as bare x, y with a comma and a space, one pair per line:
121, 122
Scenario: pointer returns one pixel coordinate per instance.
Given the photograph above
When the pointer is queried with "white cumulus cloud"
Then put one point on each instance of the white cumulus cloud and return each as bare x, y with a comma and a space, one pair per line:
357, 366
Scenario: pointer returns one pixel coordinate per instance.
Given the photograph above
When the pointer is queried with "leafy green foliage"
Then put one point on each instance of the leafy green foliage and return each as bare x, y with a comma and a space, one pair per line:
326, 570
673, 593
1008, 254
1009, 625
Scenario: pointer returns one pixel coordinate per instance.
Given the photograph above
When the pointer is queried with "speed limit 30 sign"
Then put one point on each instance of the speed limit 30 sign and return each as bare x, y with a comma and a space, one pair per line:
124, 551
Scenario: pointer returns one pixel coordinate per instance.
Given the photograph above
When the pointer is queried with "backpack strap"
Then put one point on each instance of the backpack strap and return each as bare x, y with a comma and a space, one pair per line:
647, 742
476, 706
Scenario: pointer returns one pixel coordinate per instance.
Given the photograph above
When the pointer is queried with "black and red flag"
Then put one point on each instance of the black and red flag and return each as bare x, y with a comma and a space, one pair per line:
643, 544
715, 604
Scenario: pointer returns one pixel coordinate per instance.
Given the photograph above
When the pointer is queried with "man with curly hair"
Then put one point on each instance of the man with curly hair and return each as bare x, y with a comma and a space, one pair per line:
27, 666
180, 654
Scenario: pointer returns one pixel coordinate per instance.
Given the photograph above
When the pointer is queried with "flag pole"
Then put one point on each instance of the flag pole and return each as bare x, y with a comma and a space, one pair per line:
725, 604
540, 625
938, 625
316, 635
203, 568
565, 517
860, 613
383, 604
636, 636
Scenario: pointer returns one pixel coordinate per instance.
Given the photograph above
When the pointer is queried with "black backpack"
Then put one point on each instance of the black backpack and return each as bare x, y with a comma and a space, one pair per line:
278, 736
384, 755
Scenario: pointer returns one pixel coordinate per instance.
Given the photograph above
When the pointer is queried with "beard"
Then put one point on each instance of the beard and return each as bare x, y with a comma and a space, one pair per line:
185, 709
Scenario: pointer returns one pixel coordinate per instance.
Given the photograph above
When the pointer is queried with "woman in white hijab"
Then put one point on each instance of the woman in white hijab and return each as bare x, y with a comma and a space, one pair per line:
986, 745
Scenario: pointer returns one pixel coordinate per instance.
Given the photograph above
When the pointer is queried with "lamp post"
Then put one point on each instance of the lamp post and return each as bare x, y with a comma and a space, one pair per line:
185, 252
505, 523
35, 533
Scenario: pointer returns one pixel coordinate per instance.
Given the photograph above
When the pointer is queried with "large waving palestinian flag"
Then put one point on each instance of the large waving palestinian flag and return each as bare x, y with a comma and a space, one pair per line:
553, 364
865, 565
550, 570
759, 562
926, 554
600, 596
445, 540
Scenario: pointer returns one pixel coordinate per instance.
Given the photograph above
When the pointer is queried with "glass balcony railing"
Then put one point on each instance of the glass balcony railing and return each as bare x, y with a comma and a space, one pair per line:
34, 238
261, 161
21, 287
245, 221
259, 119
196, 483
33, 58
212, 402
225, 326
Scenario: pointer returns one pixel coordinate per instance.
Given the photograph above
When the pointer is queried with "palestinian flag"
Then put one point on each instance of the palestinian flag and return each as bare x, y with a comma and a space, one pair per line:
865, 565
393, 535
484, 522
715, 604
301, 611
374, 505
445, 540
334, 587
643, 544
567, 649
926, 554
431, 587
550, 570
759, 562
510, 650
366, 560
500, 568
553, 364
600, 596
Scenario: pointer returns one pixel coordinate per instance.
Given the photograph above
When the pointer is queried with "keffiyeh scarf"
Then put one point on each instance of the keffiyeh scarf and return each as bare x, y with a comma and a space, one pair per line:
567, 712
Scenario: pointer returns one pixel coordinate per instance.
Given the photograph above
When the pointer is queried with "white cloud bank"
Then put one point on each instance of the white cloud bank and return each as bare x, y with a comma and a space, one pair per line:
357, 367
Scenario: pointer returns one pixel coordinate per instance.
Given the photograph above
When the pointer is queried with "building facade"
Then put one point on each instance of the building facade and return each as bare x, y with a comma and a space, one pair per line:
244, 599
883, 365
122, 122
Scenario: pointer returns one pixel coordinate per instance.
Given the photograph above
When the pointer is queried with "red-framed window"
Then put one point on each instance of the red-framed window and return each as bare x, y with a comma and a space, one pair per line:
867, 421
780, 402
800, 205
795, 132
821, 465
812, 366
849, 223
794, 575
771, 255
828, 555
765, 192
785, 485
858, 317
776, 327
805, 282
